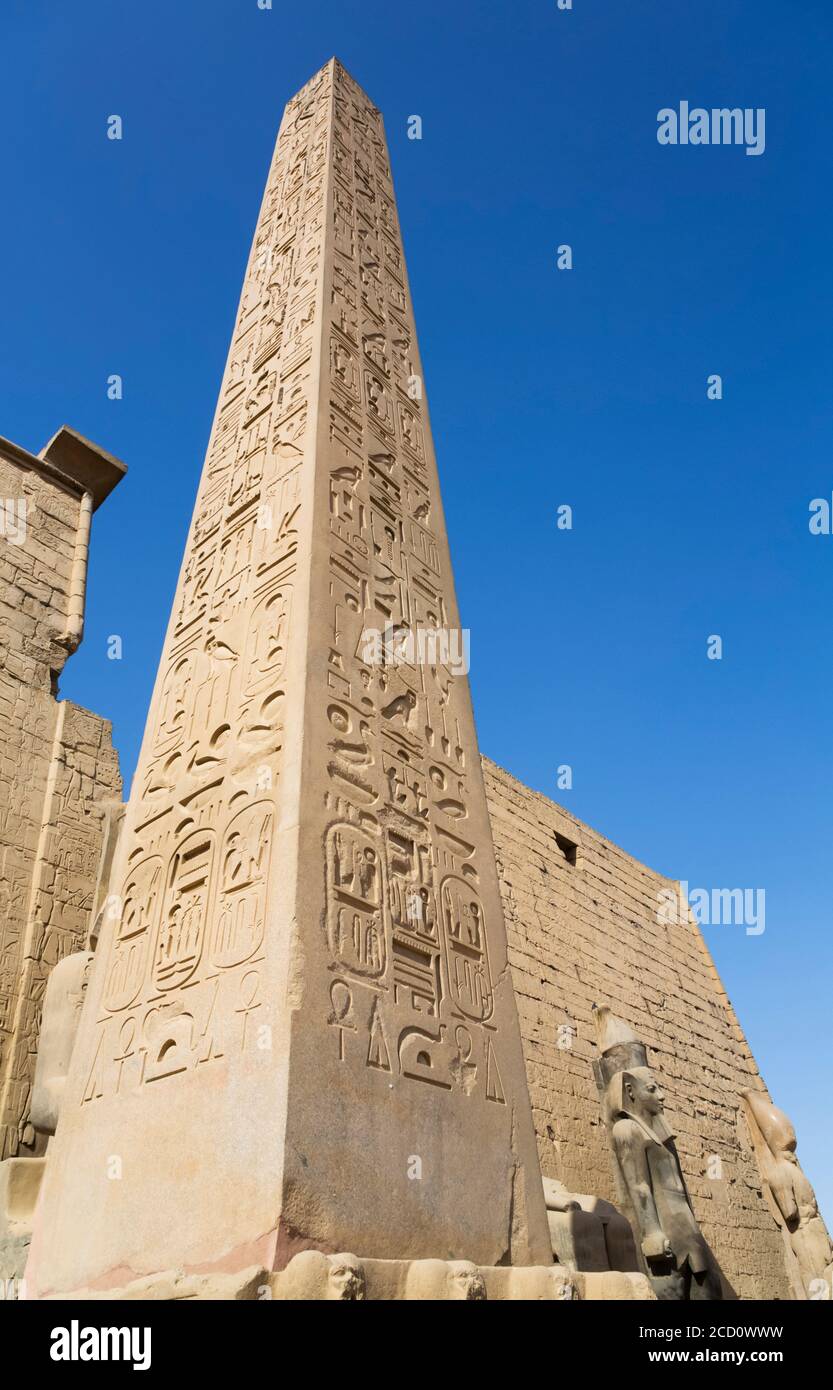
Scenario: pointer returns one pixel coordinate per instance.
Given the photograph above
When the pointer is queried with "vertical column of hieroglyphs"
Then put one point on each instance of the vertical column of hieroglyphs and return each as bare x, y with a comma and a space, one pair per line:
421, 1018
404, 909
166, 1071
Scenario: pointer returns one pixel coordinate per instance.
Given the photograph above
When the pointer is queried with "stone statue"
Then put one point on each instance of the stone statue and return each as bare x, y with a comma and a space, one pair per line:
774, 1142
62, 1002
588, 1233
20, 1178
676, 1258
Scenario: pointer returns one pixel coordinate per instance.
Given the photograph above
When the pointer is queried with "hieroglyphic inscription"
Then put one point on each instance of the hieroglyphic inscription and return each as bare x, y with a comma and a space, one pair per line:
406, 929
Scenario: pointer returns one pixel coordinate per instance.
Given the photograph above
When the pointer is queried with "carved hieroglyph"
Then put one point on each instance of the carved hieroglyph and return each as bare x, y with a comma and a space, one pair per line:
300, 1030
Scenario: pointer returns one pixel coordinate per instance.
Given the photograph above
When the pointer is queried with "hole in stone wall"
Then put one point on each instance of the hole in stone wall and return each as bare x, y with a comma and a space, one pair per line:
568, 848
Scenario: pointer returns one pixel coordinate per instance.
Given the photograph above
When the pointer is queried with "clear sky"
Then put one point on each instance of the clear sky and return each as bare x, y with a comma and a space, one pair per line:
584, 387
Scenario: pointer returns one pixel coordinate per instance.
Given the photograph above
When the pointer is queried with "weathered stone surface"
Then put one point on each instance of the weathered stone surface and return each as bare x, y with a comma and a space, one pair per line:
20, 1183
20, 1180
315, 1276
583, 930
309, 961
173, 1286
58, 768
19, 1187
615, 1285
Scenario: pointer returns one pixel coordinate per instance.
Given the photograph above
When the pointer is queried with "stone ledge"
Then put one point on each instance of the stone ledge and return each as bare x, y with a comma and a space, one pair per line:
313, 1276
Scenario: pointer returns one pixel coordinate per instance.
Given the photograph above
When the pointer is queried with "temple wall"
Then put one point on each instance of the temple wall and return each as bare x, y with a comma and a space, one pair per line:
587, 933
57, 767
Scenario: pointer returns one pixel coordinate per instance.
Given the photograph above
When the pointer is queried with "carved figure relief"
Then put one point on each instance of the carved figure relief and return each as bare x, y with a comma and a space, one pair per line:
128, 963
355, 924
465, 938
244, 870
182, 926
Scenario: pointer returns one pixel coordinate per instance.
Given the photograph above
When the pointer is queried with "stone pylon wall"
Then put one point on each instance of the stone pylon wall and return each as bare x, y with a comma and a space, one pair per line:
300, 1030
57, 770
583, 930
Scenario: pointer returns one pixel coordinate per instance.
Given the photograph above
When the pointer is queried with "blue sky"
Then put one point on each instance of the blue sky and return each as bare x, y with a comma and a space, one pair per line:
585, 387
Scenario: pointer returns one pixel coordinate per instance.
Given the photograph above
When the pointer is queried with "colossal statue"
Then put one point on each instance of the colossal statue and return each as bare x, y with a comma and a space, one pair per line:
674, 1252
774, 1142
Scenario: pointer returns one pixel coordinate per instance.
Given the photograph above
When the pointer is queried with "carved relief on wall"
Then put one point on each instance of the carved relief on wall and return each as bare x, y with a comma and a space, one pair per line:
467, 953
136, 928
397, 769
355, 913
242, 891
181, 930
267, 638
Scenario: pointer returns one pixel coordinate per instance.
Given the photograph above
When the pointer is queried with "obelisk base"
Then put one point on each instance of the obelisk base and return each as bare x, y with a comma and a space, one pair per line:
313, 1276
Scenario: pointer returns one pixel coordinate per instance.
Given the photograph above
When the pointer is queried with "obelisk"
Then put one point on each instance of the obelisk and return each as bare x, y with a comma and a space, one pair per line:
300, 1030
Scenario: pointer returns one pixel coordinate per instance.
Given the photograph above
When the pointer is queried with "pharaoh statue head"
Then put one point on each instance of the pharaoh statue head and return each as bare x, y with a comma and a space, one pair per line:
635, 1093
629, 1086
